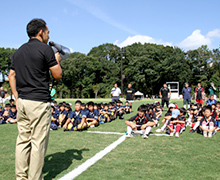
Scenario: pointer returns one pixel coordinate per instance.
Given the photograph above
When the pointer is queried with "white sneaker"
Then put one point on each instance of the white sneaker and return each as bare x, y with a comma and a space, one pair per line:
158, 130
177, 134
92, 126
210, 134
205, 134
129, 136
145, 136
171, 134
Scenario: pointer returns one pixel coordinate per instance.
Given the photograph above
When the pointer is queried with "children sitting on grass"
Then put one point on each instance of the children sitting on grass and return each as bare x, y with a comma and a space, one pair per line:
8, 114
208, 124
140, 122
77, 119
92, 116
174, 124
105, 114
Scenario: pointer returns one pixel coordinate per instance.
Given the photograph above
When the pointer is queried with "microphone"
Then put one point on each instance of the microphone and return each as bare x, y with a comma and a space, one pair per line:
64, 51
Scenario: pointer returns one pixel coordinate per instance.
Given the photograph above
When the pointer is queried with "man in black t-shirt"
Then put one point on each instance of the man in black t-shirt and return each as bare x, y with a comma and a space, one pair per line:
165, 95
29, 80
129, 92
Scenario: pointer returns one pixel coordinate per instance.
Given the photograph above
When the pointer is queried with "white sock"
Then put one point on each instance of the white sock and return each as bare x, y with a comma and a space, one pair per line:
164, 126
148, 130
196, 125
129, 129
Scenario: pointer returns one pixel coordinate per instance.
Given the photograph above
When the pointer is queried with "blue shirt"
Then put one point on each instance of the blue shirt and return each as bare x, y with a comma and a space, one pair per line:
209, 102
12, 115
186, 93
77, 116
93, 114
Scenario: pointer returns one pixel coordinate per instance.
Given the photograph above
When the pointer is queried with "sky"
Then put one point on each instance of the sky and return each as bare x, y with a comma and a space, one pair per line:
83, 24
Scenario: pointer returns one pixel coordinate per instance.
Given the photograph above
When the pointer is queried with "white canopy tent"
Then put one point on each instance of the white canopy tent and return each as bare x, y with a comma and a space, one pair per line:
139, 94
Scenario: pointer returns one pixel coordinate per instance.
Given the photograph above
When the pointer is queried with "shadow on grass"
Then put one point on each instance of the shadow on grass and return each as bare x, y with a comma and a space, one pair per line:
56, 163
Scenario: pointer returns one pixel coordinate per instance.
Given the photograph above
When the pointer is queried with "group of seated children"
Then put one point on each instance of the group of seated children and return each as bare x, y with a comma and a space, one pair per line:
86, 115
8, 113
142, 123
203, 120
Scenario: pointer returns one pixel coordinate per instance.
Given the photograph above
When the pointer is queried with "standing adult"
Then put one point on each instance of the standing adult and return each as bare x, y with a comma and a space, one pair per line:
199, 94
52, 92
115, 92
186, 95
29, 80
129, 92
2, 96
165, 95
212, 90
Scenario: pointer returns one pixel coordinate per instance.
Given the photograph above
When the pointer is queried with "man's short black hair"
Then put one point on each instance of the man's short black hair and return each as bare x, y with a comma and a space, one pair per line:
90, 103
11, 100
142, 108
34, 26
78, 102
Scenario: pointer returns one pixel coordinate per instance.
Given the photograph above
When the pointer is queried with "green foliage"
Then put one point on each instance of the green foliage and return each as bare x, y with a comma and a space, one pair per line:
145, 66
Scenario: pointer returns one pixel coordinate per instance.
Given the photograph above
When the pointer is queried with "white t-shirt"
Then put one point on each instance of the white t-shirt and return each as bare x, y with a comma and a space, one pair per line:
115, 91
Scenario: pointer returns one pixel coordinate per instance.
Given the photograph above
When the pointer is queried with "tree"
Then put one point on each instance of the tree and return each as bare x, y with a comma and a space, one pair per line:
96, 89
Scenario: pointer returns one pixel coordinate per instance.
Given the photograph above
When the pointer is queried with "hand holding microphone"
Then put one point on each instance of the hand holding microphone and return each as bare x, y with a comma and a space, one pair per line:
63, 51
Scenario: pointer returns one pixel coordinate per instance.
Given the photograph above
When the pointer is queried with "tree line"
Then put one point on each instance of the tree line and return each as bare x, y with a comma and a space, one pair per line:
145, 66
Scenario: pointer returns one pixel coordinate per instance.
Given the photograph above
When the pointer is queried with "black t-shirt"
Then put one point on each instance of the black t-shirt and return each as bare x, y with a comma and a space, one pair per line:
164, 92
129, 93
140, 120
199, 92
2, 94
31, 63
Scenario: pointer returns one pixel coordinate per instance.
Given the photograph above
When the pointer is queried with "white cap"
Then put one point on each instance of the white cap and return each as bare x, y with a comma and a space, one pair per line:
172, 105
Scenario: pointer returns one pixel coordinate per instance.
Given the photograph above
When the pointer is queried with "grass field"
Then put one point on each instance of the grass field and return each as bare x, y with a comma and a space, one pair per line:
191, 156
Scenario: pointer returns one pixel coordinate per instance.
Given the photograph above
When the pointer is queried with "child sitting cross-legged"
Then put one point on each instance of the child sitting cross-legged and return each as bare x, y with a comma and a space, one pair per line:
105, 115
208, 124
174, 124
142, 122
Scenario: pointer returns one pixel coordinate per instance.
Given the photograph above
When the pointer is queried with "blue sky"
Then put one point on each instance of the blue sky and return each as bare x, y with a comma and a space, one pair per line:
84, 24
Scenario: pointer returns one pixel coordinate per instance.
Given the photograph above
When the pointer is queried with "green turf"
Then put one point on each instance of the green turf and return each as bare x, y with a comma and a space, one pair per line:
191, 156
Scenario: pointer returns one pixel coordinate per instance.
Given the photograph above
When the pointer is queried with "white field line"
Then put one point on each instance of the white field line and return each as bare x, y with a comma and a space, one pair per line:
135, 133
100, 132
83, 167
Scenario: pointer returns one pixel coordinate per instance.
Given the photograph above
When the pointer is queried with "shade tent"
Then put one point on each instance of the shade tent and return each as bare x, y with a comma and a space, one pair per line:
138, 93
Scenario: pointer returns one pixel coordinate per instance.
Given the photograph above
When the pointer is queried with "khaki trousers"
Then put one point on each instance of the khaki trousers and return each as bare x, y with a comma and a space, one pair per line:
33, 122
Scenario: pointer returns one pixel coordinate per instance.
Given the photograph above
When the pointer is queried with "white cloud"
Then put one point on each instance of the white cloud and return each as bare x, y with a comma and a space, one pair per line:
142, 39
195, 40
214, 33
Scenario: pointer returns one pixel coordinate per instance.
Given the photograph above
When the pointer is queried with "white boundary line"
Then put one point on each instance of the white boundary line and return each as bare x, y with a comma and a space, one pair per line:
77, 171
100, 132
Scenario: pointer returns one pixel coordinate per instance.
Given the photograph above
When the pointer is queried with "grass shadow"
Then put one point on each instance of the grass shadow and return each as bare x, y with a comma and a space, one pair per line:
56, 163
